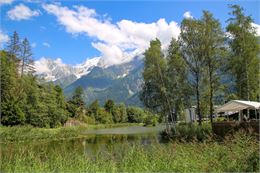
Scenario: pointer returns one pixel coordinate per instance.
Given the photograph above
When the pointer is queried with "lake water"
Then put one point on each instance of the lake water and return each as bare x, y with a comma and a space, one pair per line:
96, 142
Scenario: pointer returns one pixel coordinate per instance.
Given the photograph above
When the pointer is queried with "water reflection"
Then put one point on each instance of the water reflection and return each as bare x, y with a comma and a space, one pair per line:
93, 146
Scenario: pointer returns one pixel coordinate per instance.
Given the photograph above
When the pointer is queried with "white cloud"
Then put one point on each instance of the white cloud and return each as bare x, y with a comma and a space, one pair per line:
41, 65
22, 12
3, 2
46, 44
257, 28
33, 45
118, 42
3, 38
187, 15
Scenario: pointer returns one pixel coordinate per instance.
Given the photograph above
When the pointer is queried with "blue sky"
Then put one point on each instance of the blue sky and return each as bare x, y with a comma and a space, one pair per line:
54, 33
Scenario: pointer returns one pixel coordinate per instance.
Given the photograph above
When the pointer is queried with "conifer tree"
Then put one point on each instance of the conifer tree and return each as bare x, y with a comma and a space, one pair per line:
27, 63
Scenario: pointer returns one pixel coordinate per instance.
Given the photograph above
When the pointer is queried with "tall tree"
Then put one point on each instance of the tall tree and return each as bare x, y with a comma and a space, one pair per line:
14, 46
191, 49
26, 58
154, 94
244, 60
76, 106
109, 106
177, 87
12, 94
212, 52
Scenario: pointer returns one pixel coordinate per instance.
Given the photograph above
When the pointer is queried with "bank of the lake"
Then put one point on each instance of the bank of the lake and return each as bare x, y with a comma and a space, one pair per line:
29, 133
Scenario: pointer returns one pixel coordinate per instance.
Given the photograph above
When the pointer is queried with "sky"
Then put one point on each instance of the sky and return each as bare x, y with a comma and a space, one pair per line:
74, 31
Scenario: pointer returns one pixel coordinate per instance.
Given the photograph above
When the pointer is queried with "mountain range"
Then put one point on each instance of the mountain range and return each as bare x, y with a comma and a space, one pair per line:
121, 83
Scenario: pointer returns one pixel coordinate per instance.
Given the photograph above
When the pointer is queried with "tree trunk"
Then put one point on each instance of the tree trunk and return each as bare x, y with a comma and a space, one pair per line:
22, 69
211, 97
198, 98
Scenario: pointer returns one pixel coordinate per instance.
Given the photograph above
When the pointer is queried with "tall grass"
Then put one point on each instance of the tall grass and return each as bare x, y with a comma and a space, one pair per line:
239, 153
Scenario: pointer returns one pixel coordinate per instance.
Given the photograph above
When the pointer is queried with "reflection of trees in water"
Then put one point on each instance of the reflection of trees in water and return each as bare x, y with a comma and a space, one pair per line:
94, 147
115, 145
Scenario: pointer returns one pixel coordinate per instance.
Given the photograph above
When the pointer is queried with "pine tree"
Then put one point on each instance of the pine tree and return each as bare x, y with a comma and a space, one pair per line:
76, 106
12, 94
14, 45
27, 63
244, 60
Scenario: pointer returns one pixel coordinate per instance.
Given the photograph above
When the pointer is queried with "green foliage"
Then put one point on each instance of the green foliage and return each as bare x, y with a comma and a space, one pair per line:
122, 114
103, 116
12, 92
178, 90
76, 105
244, 60
23, 99
191, 132
150, 119
109, 106
135, 114
153, 93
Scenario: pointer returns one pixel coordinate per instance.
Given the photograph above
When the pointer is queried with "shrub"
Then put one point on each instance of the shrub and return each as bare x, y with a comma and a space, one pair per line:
150, 120
190, 132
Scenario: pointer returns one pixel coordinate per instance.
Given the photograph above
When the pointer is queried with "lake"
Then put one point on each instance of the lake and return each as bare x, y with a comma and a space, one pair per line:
95, 143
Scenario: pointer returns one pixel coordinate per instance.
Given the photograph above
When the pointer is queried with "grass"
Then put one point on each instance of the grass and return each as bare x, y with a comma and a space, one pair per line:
239, 153
29, 133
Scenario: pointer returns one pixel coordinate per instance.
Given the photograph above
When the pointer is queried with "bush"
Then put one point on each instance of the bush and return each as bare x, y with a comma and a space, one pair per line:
150, 120
88, 120
135, 115
190, 132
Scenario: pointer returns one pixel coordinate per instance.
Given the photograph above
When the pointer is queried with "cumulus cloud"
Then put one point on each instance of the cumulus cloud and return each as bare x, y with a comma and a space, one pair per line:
118, 42
45, 44
41, 65
22, 12
3, 2
3, 38
187, 15
257, 28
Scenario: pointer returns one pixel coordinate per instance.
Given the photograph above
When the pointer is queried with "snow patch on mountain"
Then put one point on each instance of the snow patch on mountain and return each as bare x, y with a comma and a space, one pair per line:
52, 70
86, 67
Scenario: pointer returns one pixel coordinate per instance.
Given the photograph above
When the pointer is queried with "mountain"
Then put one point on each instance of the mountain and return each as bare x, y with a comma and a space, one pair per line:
63, 74
121, 83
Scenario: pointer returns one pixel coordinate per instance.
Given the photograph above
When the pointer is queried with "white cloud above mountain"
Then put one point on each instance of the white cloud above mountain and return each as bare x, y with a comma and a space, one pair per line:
113, 40
22, 12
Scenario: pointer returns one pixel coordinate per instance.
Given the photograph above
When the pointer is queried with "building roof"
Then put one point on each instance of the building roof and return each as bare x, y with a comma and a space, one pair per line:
237, 105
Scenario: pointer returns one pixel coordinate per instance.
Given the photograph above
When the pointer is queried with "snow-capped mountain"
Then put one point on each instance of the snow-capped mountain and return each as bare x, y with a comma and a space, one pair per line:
121, 82
52, 70
86, 67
